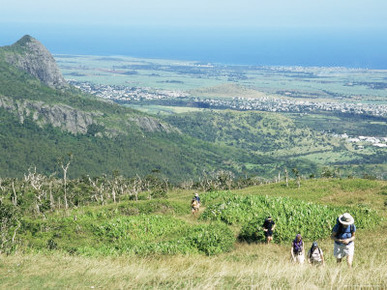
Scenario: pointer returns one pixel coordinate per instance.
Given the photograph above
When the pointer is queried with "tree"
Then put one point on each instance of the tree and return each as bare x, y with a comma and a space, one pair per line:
65, 163
286, 177
296, 173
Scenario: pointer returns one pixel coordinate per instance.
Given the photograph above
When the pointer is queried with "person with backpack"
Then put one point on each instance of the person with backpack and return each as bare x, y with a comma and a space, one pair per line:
297, 251
315, 255
195, 204
343, 233
197, 197
268, 228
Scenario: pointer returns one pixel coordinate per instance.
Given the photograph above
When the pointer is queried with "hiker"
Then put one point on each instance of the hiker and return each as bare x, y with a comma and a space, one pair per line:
197, 198
297, 251
343, 233
194, 206
315, 255
268, 228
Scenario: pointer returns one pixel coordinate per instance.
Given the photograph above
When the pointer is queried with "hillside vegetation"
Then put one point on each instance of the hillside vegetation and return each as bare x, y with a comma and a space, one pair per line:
290, 137
41, 124
161, 243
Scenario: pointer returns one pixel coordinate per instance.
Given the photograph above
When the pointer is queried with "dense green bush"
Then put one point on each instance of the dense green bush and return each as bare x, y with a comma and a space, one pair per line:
212, 239
142, 234
150, 234
291, 216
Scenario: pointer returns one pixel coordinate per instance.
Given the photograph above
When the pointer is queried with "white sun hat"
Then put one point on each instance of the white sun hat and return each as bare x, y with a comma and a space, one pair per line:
346, 219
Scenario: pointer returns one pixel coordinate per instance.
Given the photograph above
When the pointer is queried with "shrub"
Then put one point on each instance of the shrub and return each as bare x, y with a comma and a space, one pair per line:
152, 234
212, 239
291, 216
9, 225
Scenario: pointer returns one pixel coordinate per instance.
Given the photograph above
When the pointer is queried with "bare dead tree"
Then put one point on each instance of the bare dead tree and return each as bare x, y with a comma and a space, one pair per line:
99, 188
52, 200
14, 198
37, 181
114, 185
286, 177
296, 172
65, 167
187, 184
137, 186
15, 231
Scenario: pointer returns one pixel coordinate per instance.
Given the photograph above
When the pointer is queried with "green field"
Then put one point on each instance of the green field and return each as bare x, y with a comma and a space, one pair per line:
216, 80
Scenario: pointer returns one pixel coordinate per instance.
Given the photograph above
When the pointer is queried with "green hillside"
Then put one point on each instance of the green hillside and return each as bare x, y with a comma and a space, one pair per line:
40, 125
255, 131
289, 137
94, 244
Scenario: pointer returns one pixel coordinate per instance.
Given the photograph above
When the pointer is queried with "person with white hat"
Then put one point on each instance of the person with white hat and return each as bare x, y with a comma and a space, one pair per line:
195, 204
343, 233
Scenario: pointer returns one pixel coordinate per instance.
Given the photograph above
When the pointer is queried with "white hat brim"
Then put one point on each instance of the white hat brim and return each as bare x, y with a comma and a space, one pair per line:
346, 223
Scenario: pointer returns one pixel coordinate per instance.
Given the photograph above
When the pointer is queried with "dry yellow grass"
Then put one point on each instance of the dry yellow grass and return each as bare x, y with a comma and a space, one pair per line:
254, 266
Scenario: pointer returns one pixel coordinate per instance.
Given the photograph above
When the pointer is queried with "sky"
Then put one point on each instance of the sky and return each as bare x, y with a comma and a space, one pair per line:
251, 13
278, 30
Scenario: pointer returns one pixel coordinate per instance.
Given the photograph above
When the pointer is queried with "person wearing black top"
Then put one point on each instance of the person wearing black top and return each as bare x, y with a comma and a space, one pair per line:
268, 228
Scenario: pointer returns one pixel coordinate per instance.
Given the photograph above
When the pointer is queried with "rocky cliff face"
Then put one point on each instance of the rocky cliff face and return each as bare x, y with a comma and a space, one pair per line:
77, 121
58, 115
31, 56
149, 124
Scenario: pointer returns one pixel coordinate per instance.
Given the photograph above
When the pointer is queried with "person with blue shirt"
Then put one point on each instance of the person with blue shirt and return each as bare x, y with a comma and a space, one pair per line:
195, 204
197, 198
343, 233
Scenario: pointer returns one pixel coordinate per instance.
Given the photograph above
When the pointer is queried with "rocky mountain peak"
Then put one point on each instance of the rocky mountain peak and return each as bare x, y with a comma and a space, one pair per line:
30, 55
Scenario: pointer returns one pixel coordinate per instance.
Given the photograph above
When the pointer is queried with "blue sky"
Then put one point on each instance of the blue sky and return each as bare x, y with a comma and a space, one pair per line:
214, 13
272, 32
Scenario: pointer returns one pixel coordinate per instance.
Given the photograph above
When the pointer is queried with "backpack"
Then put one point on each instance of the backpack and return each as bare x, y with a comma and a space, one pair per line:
340, 228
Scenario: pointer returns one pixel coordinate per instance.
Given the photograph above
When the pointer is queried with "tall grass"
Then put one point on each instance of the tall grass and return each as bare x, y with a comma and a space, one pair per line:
249, 267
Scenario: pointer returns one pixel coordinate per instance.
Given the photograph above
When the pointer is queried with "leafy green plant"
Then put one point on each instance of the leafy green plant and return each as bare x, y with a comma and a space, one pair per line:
9, 225
291, 216
212, 239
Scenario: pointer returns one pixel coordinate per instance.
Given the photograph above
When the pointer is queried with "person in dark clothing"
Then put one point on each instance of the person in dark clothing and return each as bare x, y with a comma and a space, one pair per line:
268, 228
197, 197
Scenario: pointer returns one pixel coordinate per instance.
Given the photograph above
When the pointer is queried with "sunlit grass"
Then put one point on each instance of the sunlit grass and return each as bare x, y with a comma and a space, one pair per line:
249, 266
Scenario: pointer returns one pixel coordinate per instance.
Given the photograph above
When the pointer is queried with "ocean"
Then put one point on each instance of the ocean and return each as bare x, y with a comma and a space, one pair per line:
354, 48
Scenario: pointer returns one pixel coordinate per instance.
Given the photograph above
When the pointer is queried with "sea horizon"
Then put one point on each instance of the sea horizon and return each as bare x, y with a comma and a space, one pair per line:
305, 47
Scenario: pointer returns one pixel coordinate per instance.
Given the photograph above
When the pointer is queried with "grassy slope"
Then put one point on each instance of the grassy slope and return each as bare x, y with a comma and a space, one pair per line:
256, 131
249, 266
268, 133
291, 137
